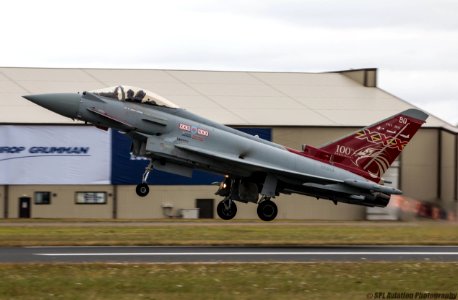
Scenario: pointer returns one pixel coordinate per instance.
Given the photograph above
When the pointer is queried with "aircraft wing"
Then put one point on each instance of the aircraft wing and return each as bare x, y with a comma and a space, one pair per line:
344, 186
257, 166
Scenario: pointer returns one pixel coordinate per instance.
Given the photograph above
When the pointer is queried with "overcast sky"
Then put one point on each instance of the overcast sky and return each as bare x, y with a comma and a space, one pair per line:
414, 43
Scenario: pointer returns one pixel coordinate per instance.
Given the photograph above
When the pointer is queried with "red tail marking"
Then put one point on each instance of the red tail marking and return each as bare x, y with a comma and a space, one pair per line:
369, 152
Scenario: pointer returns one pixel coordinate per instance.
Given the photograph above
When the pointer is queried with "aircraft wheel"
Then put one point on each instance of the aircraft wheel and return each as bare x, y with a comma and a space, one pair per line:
226, 213
142, 189
267, 210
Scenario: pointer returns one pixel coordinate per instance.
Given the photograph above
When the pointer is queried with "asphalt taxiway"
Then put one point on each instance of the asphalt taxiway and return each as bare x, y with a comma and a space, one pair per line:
226, 254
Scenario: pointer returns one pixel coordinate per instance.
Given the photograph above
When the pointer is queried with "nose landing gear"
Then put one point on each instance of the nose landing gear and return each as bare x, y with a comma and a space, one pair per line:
142, 189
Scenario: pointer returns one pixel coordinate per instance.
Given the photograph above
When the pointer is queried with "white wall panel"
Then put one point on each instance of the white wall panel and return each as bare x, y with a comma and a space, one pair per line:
54, 155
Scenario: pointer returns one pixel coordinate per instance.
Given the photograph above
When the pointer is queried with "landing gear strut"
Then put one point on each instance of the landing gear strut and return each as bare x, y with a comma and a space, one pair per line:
226, 209
143, 189
267, 209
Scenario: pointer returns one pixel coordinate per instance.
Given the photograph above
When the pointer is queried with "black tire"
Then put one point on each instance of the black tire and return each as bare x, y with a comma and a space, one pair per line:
267, 210
142, 189
226, 214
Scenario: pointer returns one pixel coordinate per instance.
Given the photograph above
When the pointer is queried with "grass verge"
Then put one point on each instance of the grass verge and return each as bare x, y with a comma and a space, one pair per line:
225, 281
243, 234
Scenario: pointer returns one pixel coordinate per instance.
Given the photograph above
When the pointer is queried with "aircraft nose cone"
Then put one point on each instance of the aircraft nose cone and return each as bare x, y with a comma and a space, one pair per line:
66, 104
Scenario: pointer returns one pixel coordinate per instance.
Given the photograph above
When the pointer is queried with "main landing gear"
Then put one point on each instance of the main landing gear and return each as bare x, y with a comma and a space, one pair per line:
243, 190
226, 209
267, 209
143, 189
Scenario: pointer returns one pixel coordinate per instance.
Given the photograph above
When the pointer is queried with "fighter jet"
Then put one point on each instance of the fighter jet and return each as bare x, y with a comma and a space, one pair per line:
177, 141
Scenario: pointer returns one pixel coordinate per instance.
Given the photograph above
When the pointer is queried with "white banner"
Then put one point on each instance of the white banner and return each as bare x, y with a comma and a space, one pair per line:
54, 155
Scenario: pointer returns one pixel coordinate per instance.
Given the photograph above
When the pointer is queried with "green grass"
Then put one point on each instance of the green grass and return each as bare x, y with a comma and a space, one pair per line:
224, 281
235, 234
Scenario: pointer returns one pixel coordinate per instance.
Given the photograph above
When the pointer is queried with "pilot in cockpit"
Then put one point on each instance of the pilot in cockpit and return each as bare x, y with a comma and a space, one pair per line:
139, 96
130, 95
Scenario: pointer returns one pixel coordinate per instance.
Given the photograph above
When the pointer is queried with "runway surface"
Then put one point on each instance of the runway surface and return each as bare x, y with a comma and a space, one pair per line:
226, 254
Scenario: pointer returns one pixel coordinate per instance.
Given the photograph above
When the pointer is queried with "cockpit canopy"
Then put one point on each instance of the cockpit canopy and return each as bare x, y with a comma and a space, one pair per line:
134, 94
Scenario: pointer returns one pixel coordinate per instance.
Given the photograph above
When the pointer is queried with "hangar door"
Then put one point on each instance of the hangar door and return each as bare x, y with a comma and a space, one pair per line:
24, 207
206, 207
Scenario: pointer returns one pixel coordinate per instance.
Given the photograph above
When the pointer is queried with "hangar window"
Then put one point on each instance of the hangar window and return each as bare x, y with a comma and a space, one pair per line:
90, 198
134, 94
42, 198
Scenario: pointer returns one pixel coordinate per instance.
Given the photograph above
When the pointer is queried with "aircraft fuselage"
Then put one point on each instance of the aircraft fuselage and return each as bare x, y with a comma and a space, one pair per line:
177, 141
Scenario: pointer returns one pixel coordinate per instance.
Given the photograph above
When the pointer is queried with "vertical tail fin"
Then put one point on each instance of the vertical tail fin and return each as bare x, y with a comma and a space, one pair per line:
371, 150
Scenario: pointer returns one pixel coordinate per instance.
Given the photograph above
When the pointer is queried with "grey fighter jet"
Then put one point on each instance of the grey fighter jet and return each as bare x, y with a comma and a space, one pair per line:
175, 140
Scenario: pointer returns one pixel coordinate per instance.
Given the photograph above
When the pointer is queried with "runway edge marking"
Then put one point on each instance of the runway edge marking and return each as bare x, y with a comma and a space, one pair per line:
245, 253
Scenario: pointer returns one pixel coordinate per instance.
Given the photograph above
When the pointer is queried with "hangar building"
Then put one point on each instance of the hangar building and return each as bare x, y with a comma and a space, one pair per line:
59, 168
